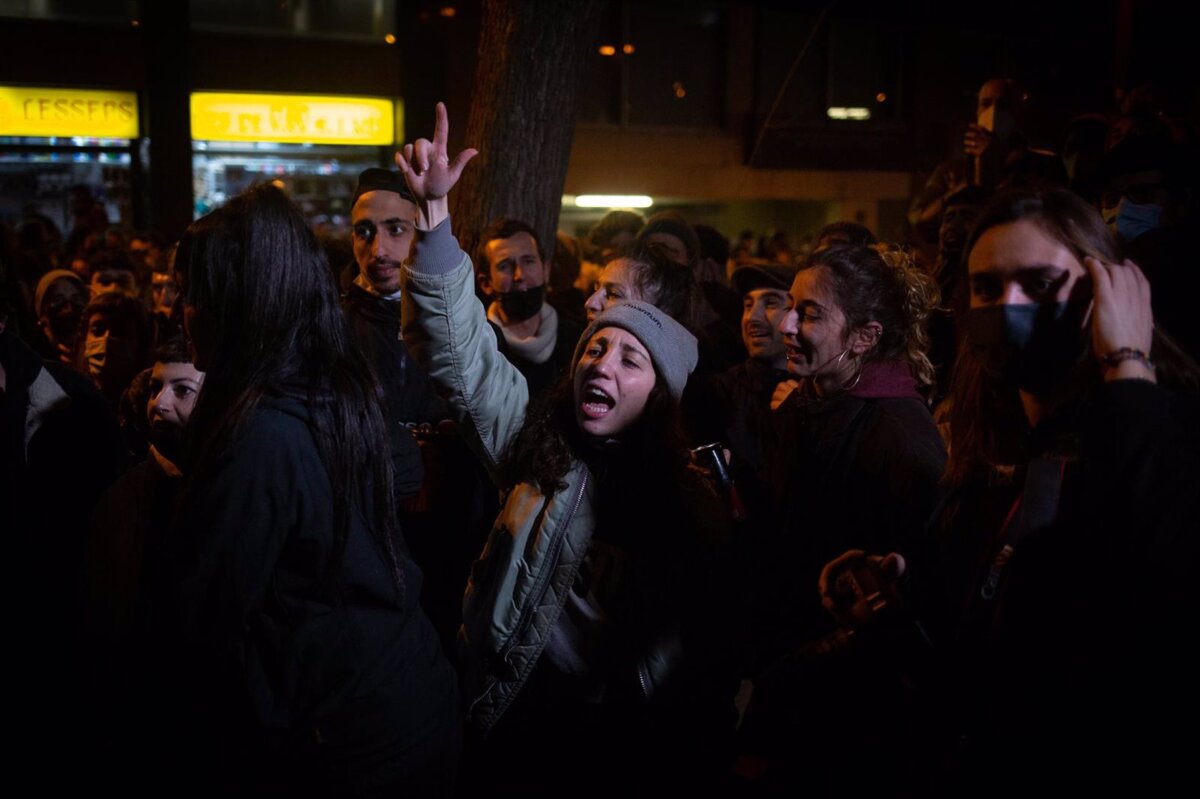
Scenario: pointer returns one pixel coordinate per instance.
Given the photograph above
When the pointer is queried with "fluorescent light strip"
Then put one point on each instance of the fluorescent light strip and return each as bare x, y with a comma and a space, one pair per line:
856, 114
613, 201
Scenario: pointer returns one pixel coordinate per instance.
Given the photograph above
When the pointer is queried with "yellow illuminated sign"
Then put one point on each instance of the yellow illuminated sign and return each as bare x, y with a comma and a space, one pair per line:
292, 118
68, 113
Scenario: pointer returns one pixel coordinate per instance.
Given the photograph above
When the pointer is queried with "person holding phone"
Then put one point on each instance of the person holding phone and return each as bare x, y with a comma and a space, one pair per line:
988, 143
1059, 585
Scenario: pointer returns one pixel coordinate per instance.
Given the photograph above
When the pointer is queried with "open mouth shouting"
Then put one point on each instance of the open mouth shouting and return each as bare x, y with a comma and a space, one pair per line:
595, 403
612, 380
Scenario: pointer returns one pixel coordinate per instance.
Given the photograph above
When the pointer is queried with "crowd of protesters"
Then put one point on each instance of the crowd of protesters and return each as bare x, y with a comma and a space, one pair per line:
648, 508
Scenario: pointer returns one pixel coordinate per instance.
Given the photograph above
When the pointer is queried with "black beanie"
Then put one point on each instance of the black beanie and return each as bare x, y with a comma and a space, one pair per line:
377, 179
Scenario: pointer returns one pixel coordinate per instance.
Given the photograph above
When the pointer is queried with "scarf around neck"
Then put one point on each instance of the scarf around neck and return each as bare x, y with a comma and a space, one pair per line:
537, 348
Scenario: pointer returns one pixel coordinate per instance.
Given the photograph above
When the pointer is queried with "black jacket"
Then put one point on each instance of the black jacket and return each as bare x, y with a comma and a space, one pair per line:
734, 408
409, 398
290, 655
1085, 638
864, 474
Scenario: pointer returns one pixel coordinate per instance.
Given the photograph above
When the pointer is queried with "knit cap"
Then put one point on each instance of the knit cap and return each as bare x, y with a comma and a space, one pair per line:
672, 348
377, 179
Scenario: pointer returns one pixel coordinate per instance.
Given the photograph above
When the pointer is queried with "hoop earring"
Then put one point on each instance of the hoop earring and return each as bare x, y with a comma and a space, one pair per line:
857, 373
854, 381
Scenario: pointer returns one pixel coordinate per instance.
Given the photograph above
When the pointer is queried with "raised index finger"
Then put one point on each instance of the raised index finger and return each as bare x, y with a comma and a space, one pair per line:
441, 128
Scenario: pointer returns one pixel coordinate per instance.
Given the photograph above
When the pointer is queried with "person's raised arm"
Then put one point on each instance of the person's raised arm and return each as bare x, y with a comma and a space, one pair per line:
442, 321
430, 172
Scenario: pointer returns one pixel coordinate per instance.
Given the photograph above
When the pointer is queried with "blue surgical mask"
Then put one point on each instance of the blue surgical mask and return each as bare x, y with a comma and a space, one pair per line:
1032, 347
1136, 219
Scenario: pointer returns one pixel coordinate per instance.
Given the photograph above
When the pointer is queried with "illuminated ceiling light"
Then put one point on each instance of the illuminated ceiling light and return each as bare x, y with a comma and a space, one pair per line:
627, 49
881, 98
135, 23
390, 38
855, 114
613, 201
607, 49
447, 11
680, 92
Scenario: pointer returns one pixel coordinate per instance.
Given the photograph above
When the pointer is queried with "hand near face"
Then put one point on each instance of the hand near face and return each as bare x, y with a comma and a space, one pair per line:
782, 391
430, 172
976, 140
1122, 316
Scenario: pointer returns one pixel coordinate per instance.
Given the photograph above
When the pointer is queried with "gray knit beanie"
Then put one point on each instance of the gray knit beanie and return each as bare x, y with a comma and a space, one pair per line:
672, 348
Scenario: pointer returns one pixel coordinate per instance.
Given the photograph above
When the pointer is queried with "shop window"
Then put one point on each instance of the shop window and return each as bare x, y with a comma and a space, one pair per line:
330, 19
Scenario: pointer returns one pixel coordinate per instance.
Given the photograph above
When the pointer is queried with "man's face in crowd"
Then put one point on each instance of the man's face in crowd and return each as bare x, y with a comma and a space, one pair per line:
763, 312
109, 280
144, 254
384, 227
514, 264
164, 289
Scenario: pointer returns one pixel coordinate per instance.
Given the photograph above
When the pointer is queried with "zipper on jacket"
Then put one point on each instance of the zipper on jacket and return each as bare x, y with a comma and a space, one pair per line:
544, 578
527, 615
641, 673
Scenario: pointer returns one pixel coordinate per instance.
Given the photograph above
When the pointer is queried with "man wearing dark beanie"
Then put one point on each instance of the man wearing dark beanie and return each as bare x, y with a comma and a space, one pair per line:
455, 493
383, 216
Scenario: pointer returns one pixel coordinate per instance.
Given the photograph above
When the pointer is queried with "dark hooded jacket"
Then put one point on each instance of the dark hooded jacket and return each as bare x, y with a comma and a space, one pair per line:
299, 659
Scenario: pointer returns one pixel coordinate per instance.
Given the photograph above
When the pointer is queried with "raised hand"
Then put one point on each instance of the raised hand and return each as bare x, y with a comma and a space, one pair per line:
430, 172
976, 140
1122, 319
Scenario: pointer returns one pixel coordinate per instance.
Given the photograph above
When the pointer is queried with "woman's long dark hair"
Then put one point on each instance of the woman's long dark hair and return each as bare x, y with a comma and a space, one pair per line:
550, 438
255, 272
987, 424
651, 455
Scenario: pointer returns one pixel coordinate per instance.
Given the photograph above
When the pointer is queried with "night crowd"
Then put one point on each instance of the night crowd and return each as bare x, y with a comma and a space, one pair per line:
296, 514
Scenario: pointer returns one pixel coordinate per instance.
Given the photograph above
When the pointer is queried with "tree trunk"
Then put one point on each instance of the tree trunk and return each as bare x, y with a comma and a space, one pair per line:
522, 117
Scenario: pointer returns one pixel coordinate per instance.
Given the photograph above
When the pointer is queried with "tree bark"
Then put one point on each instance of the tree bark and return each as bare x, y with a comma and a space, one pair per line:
522, 116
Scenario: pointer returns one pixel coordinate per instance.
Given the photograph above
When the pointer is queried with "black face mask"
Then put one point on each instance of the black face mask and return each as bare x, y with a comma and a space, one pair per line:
521, 305
1030, 346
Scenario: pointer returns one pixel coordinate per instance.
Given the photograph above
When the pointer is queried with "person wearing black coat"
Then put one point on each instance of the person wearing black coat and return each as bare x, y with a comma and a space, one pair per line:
293, 654
863, 468
1058, 590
